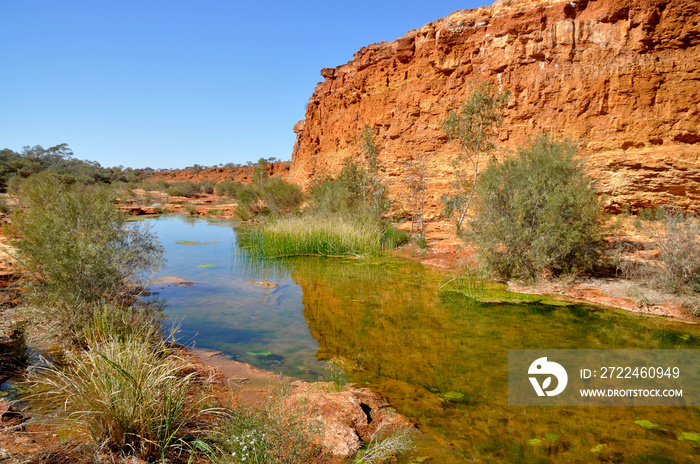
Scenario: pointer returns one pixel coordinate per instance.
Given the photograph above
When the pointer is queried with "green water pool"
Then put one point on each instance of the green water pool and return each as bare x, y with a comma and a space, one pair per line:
439, 358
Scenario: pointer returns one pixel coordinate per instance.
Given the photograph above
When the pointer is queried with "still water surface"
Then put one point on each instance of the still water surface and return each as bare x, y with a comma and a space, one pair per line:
440, 359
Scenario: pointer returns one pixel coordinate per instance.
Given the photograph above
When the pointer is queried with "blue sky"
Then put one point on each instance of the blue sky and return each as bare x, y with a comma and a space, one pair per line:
168, 84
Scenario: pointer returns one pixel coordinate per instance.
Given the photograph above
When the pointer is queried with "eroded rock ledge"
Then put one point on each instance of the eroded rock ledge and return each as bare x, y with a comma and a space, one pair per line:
620, 76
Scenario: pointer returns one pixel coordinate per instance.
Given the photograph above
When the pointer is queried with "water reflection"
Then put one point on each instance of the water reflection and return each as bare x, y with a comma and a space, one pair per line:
442, 360
439, 358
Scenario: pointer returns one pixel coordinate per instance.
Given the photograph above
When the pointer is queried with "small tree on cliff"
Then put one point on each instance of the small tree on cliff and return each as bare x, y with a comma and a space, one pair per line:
373, 189
359, 189
260, 171
474, 125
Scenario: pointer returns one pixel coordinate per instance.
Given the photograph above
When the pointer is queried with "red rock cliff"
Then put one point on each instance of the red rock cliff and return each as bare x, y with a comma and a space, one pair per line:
620, 76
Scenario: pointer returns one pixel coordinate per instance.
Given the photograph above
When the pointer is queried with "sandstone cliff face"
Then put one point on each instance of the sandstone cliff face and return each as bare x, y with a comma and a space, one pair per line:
620, 76
241, 174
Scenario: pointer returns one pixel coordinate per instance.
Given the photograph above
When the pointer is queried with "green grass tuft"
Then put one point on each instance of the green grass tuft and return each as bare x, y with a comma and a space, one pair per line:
317, 235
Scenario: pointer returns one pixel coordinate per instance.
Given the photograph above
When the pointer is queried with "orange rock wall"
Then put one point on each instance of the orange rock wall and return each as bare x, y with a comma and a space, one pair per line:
620, 76
242, 174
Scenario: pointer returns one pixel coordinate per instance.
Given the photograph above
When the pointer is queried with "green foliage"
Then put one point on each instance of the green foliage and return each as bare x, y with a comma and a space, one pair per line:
77, 249
207, 186
281, 197
275, 431
474, 125
274, 197
59, 161
191, 210
4, 207
314, 235
260, 172
110, 321
355, 191
369, 147
358, 189
538, 213
125, 394
156, 186
330, 196
416, 175
183, 189
228, 188
394, 238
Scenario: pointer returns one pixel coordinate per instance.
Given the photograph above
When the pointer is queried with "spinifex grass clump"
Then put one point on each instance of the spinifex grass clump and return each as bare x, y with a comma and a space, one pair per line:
318, 235
385, 445
127, 395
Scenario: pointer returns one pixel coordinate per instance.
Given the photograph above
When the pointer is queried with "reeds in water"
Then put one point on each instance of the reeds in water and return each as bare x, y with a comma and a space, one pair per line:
316, 235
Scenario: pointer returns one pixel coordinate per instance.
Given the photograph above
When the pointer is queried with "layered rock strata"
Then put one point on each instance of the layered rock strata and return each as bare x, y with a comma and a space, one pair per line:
622, 77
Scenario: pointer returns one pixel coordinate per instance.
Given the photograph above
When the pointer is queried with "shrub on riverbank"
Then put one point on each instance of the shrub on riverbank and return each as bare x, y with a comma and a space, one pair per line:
271, 197
538, 213
675, 235
77, 250
228, 188
183, 189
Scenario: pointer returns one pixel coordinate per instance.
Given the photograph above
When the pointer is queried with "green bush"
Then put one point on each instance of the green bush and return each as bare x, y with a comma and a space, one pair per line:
156, 186
474, 124
228, 188
355, 191
207, 186
538, 213
273, 196
4, 207
183, 189
332, 197
58, 160
281, 197
77, 249
250, 203
359, 188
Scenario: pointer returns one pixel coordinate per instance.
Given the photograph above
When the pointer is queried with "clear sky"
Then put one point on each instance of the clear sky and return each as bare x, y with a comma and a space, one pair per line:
168, 84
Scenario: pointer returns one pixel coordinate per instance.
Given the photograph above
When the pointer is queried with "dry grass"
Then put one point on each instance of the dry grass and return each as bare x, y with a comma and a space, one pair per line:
125, 395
